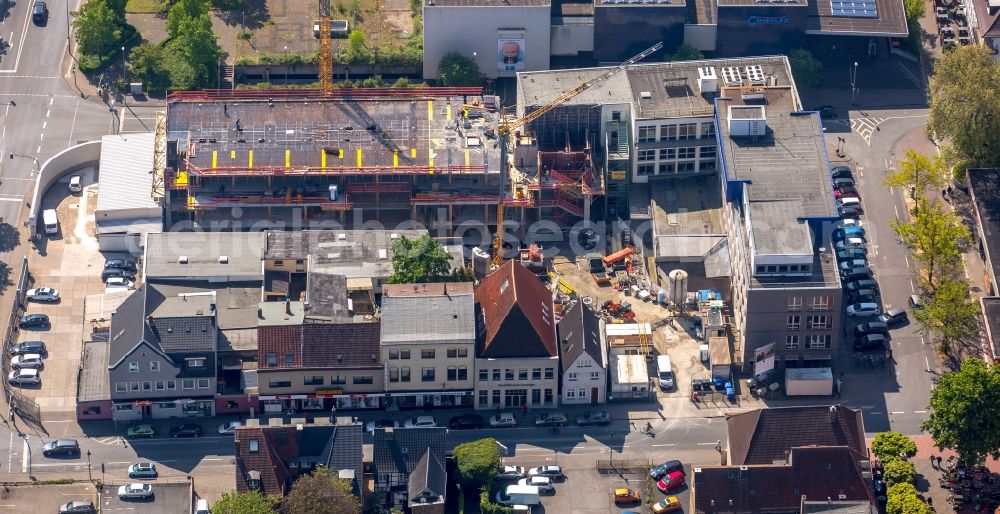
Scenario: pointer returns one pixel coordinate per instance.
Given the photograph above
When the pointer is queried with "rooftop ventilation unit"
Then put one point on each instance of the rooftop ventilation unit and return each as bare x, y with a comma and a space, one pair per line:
755, 75
731, 76
708, 81
223, 259
747, 121
183, 259
645, 95
752, 93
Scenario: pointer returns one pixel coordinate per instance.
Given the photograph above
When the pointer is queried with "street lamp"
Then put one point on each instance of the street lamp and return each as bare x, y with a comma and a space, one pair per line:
286, 65
89, 475
854, 84
124, 70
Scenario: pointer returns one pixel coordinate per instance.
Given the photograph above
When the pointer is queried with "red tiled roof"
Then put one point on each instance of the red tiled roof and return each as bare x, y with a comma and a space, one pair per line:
765, 436
516, 312
818, 473
269, 459
279, 340
319, 345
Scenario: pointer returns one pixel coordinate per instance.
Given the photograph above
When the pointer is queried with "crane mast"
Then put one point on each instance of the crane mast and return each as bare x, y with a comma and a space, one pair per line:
325, 52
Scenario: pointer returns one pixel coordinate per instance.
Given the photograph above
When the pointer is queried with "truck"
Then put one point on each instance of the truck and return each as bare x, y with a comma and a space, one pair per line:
50, 221
597, 270
519, 495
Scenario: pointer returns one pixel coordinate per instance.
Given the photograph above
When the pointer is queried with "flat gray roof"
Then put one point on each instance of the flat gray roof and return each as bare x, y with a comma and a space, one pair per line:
126, 178
94, 384
890, 19
428, 313
991, 311
486, 3
788, 162
203, 250
775, 232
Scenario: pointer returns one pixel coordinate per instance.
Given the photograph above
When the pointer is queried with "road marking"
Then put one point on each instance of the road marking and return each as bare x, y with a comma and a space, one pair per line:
660, 445
41, 136
53, 99
44, 124
912, 289
24, 458
18, 200
213, 458
866, 407
72, 126
927, 363
920, 412
706, 444
39, 150
896, 210
907, 259
876, 412
897, 412
10, 456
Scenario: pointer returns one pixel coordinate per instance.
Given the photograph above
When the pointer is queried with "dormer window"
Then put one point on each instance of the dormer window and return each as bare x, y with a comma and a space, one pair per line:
254, 446
253, 479
195, 363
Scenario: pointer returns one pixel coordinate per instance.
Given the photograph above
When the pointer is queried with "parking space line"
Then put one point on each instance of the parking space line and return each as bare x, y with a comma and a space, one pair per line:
897, 412
24, 458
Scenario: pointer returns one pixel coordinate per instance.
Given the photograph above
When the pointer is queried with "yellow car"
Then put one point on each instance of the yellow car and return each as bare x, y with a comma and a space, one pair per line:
626, 496
669, 504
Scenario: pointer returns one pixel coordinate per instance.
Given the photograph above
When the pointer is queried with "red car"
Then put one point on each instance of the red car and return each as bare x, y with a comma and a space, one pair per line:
670, 481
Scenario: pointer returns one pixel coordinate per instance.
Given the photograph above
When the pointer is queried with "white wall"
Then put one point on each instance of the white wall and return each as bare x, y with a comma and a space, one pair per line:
473, 29
584, 381
58, 166
571, 36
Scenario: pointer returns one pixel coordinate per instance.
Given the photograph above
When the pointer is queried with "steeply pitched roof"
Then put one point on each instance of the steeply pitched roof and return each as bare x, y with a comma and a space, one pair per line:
399, 450
268, 460
580, 332
428, 480
766, 436
816, 473
129, 327
515, 315
428, 312
319, 345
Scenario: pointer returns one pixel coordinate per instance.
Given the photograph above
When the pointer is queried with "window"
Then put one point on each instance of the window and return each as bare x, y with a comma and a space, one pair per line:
188, 383
508, 374
426, 374
171, 385
646, 169
312, 381
484, 398
404, 354
668, 132
154, 365
289, 358
548, 397
549, 373
496, 375
404, 374
685, 166
686, 152
570, 394
820, 322
536, 396
667, 168
203, 383
496, 397
364, 379
393, 355
426, 354
463, 373
794, 302
791, 342
452, 353
818, 341
536, 373
198, 362
706, 152
583, 392
254, 446
280, 382
463, 352
706, 165
134, 386
595, 375
707, 130
792, 323
160, 385
272, 360
121, 387
147, 386
393, 374
585, 363
647, 134
821, 303
571, 377
484, 375
668, 153
646, 155
522, 374
133, 367
687, 131
452, 373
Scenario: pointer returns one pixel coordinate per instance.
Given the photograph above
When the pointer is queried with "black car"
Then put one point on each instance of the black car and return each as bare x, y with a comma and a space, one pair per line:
666, 468
33, 321
841, 172
40, 13
827, 111
862, 295
186, 430
117, 272
28, 347
871, 342
61, 447
467, 421
851, 211
872, 327
119, 264
848, 191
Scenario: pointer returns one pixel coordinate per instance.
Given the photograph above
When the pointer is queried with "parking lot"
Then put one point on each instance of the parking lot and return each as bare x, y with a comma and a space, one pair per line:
168, 498
44, 498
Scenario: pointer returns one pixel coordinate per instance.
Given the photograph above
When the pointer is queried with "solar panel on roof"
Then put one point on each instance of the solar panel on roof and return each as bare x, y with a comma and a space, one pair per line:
853, 8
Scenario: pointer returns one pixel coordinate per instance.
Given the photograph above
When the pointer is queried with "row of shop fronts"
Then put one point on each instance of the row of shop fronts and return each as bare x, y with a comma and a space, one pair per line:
337, 400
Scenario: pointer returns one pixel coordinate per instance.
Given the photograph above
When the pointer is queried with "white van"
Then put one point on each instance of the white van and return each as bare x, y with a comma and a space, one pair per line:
201, 506
664, 372
50, 221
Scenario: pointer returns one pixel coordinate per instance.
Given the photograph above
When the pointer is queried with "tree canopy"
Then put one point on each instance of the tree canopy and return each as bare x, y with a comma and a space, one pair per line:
478, 461
898, 471
806, 69
902, 499
892, 444
456, 69
951, 314
917, 173
188, 59
321, 492
419, 260
965, 103
937, 238
99, 27
252, 502
964, 414
686, 52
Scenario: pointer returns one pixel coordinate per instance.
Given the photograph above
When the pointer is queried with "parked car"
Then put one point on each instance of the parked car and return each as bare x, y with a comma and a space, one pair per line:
144, 430
230, 427
75, 184
24, 377
849, 222
61, 447
851, 211
186, 430
849, 201
135, 491
855, 263
420, 422
554, 472
77, 507
28, 360
142, 470
503, 420
893, 316
841, 172
871, 327
842, 182
544, 484
40, 13
870, 342
551, 419
863, 309
668, 504
372, 426
667, 467
865, 283
843, 233
117, 272
851, 242
852, 253
33, 321
29, 347
845, 192
593, 417
42, 294
862, 295
119, 282
624, 496
856, 273
671, 481
915, 301
120, 264
467, 421
510, 472
826, 111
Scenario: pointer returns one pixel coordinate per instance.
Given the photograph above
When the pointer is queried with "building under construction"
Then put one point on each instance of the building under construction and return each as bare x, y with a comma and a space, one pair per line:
300, 158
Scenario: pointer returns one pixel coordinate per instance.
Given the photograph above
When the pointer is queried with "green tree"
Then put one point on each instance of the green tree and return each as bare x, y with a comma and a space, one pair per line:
902, 499
950, 313
937, 238
252, 502
456, 69
892, 444
964, 413
898, 471
356, 43
198, 47
687, 52
917, 173
321, 492
419, 260
486, 505
98, 28
914, 10
806, 69
965, 103
183, 10
478, 461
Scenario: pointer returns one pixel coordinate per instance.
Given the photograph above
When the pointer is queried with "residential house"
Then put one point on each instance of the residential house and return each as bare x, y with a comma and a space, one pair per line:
766, 436
428, 343
428, 485
984, 188
408, 461
516, 355
583, 356
270, 458
317, 366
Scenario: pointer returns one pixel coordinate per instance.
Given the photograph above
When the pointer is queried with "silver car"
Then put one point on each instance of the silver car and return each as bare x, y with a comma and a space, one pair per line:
43, 294
25, 361
135, 491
